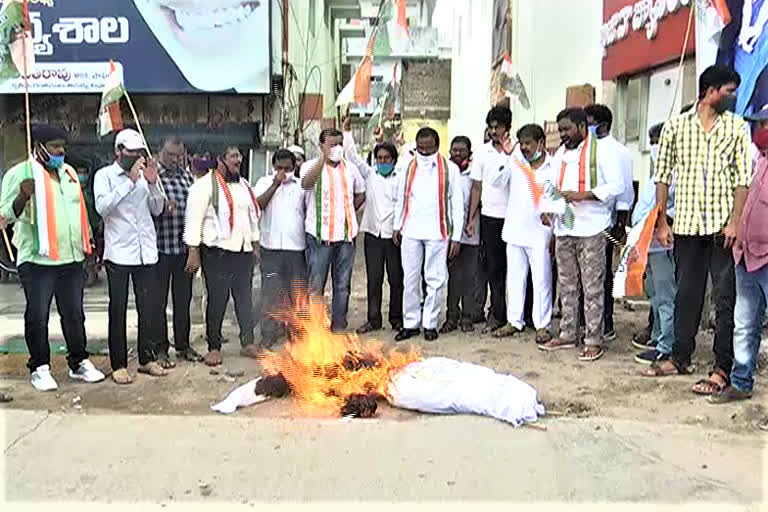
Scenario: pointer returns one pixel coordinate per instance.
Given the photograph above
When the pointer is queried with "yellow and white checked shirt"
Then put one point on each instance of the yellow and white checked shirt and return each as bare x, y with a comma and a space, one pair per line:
707, 168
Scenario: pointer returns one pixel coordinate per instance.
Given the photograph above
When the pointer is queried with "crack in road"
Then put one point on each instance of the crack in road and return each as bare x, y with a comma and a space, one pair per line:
25, 434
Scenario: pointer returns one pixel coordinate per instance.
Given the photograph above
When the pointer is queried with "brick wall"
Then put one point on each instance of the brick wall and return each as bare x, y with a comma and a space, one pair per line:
427, 88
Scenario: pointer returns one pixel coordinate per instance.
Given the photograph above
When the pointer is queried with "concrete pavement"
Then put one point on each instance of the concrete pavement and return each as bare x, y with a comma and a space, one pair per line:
242, 459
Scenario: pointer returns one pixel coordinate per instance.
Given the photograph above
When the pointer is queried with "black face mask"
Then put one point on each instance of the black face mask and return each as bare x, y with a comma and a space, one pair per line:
726, 104
126, 162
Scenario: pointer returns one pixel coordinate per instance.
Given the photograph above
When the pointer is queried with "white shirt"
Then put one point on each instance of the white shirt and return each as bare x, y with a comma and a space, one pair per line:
201, 219
355, 185
423, 221
590, 217
281, 224
466, 188
127, 209
618, 155
522, 224
485, 163
379, 213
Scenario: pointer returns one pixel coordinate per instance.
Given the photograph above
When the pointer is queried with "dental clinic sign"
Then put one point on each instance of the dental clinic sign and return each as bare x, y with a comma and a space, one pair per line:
638, 35
163, 46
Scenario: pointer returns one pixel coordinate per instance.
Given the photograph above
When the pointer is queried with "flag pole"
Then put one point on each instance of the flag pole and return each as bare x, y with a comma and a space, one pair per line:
8, 245
27, 28
141, 132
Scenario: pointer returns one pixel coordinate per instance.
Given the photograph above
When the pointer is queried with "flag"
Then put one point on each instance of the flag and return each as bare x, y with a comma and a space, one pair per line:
511, 83
385, 108
17, 55
358, 89
402, 20
382, 47
110, 118
628, 278
722, 11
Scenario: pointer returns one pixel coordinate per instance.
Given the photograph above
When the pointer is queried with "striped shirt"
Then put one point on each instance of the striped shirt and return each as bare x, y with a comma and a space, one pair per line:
708, 168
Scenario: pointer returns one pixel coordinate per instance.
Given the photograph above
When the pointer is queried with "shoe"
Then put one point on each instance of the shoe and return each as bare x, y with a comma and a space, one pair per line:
368, 327
609, 336
467, 326
86, 372
405, 334
447, 327
644, 345
430, 334
651, 356
42, 380
729, 394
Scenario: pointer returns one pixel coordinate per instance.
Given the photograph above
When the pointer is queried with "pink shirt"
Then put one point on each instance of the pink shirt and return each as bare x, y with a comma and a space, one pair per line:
752, 238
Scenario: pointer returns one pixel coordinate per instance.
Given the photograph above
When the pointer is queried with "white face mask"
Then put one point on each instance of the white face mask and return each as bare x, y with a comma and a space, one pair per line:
337, 153
654, 152
426, 160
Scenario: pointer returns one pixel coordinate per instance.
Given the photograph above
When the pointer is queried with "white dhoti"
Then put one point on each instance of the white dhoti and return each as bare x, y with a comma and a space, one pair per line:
433, 256
519, 260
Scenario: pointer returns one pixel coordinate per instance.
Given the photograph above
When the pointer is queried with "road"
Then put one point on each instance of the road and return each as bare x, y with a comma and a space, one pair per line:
242, 459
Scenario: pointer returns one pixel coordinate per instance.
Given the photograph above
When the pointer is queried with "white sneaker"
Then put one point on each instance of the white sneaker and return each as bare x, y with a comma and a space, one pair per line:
42, 380
87, 372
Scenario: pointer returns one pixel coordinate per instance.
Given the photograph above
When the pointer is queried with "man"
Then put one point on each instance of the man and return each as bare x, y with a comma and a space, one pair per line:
462, 271
428, 217
660, 272
377, 223
52, 246
173, 256
222, 233
526, 235
708, 149
590, 185
127, 197
751, 274
616, 154
487, 161
281, 225
298, 153
336, 190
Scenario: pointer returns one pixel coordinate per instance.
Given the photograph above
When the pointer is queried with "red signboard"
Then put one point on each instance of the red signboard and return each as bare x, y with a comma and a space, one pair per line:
641, 34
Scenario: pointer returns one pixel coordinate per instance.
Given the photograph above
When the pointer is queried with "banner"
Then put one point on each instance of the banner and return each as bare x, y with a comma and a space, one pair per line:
735, 32
628, 278
200, 46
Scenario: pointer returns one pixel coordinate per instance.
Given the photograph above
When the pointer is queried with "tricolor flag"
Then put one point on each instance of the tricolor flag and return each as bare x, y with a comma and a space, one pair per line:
511, 83
402, 20
110, 118
628, 278
17, 55
358, 90
382, 47
385, 110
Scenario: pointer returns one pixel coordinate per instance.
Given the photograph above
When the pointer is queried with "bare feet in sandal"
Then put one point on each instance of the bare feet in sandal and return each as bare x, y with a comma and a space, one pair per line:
153, 369
715, 384
212, 358
122, 376
251, 350
660, 369
591, 353
165, 362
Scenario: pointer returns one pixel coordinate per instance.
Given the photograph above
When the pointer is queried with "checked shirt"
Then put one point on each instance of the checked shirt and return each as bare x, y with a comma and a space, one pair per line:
170, 225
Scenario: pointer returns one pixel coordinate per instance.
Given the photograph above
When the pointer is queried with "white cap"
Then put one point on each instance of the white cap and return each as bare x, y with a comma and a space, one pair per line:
130, 140
296, 149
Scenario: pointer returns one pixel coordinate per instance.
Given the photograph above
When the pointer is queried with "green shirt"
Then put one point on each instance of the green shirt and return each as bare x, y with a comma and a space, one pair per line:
67, 207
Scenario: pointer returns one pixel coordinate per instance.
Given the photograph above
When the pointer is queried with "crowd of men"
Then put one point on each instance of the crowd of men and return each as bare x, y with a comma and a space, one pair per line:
466, 222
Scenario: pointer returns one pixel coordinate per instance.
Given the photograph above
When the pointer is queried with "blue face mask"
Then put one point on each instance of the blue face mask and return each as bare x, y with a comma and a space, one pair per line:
82, 178
385, 169
593, 129
54, 161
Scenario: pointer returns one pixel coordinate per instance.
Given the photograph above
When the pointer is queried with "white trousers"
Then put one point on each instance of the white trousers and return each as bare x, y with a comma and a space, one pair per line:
433, 256
519, 260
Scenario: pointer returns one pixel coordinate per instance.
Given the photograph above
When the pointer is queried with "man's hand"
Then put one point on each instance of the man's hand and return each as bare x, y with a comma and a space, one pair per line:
664, 234
3, 222
170, 206
469, 229
575, 197
545, 220
378, 135
151, 171
137, 169
280, 177
193, 261
346, 124
453, 250
397, 238
256, 253
27, 188
730, 233
506, 144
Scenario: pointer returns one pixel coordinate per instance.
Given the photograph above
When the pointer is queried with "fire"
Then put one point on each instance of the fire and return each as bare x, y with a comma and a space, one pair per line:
324, 369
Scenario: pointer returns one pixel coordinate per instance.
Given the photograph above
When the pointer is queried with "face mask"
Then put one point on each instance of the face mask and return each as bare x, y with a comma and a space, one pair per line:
654, 152
126, 162
336, 154
54, 161
385, 169
82, 178
592, 129
425, 159
726, 104
761, 139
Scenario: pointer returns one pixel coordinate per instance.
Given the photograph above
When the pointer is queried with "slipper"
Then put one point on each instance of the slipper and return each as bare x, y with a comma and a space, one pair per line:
594, 356
556, 344
190, 355
708, 387
153, 369
506, 331
655, 370
165, 362
212, 358
122, 377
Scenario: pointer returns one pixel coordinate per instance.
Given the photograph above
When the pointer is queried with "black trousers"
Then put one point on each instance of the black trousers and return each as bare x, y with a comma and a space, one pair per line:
143, 277
481, 282
461, 279
381, 253
496, 253
226, 273
694, 257
41, 283
283, 279
608, 284
171, 274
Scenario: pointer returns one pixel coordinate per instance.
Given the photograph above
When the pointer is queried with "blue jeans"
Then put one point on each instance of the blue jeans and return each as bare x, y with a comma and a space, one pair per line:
339, 258
660, 275
751, 292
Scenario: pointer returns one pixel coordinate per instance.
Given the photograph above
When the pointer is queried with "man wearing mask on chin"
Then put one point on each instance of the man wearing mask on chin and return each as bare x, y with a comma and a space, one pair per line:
128, 196
429, 216
335, 190
707, 150
591, 186
380, 251
462, 271
527, 233
51, 251
221, 231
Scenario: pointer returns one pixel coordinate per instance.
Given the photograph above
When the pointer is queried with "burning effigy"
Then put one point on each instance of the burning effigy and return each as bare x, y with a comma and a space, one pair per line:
331, 374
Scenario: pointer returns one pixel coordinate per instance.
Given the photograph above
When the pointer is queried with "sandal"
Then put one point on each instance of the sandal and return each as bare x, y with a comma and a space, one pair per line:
661, 369
251, 350
165, 362
556, 344
542, 336
154, 369
506, 331
122, 377
711, 387
212, 358
591, 353
190, 355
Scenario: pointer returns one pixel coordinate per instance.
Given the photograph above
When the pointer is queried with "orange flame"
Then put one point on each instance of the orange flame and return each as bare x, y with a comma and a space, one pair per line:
323, 369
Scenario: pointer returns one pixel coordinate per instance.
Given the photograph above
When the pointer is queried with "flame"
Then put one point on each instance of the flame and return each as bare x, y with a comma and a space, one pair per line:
322, 368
